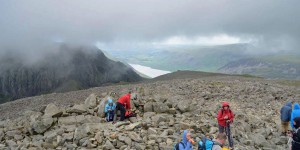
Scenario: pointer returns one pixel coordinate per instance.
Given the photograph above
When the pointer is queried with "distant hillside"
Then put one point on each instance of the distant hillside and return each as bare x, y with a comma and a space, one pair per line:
198, 58
229, 59
65, 70
275, 66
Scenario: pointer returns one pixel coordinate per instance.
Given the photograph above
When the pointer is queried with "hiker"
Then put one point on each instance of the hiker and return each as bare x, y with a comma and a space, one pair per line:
295, 113
123, 105
219, 141
225, 115
295, 135
212, 144
285, 116
186, 143
109, 110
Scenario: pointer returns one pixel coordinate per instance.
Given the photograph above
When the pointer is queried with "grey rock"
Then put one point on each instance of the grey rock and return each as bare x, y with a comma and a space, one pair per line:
132, 126
70, 120
148, 107
77, 109
134, 137
158, 118
91, 101
52, 111
152, 131
42, 125
98, 137
11, 144
119, 124
183, 106
108, 145
159, 107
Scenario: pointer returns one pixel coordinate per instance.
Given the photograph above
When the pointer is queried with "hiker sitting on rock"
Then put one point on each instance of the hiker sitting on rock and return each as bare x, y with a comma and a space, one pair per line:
285, 116
219, 142
295, 135
123, 105
295, 113
186, 143
225, 116
110, 110
212, 144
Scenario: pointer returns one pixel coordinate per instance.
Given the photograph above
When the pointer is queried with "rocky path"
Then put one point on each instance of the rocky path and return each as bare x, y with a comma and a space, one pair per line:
69, 121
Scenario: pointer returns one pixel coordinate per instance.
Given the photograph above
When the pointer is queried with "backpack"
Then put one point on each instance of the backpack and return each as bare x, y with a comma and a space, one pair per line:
205, 144
176, 147
130, 114
224, 110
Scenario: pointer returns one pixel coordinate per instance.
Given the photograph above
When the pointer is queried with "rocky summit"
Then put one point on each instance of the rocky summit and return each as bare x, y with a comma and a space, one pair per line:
164, 108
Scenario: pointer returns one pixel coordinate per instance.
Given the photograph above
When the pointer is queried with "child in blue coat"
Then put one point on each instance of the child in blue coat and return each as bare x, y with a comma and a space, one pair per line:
109, 110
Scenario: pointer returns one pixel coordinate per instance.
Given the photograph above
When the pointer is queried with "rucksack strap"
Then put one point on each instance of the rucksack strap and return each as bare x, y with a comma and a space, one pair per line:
183, 144
204, 142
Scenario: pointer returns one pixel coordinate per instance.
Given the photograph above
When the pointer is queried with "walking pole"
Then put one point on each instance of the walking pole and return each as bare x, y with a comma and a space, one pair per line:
230, 140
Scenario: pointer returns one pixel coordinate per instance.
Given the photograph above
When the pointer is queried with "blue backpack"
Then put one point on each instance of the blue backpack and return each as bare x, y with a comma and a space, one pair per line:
205, 144
176, 147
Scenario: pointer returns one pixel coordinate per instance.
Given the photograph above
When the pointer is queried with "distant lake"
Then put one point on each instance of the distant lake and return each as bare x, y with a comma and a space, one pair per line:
148, 71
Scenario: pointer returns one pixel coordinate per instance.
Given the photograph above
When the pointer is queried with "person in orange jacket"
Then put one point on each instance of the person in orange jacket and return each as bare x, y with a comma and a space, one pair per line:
123, 105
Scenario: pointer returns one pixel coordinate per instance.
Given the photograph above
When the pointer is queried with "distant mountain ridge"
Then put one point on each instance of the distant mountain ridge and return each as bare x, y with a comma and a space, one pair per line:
66, 70
275, 67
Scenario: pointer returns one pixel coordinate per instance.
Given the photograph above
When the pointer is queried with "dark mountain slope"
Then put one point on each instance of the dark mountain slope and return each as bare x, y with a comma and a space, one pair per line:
65, 70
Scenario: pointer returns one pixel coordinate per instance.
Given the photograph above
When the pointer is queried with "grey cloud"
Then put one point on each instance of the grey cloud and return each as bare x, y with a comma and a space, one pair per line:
32, 23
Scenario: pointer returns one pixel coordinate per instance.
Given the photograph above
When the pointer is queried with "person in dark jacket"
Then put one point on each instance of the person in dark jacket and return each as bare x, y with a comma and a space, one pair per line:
296, 134
285, 116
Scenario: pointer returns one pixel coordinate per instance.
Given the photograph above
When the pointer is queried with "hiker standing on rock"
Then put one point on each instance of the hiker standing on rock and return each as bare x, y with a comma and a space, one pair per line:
295, 113
123, 105
225, 115
285, 116
295, 135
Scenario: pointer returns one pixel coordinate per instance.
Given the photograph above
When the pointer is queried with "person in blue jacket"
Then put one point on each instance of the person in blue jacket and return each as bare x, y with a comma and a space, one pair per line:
109, 110
295, 113
186, 144
285, 116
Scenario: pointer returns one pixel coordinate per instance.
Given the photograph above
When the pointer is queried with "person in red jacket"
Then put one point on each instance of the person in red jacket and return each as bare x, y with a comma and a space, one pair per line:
225, 115
123, 105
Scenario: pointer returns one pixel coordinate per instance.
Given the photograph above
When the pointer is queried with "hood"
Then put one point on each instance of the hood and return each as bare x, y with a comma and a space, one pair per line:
297, 120
296, 106
224, 104
110, 101
289, 104
184, 139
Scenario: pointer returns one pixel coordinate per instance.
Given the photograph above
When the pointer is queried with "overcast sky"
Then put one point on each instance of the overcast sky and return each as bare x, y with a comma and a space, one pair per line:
268, 24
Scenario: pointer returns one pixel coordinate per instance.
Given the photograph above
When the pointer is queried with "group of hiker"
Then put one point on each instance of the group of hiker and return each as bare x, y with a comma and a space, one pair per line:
291, 117
123, 105
225, 118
